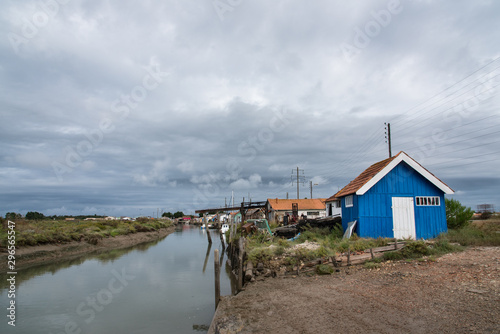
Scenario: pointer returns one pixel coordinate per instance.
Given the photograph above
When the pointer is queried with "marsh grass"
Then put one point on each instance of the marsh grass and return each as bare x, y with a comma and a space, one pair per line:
31, 233
476, 233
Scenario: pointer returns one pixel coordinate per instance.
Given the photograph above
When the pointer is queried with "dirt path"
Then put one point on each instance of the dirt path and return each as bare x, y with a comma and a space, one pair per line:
459, 293
33, 255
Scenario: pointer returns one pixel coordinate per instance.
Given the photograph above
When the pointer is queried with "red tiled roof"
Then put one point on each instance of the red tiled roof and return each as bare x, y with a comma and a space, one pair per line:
364, 177
304, 204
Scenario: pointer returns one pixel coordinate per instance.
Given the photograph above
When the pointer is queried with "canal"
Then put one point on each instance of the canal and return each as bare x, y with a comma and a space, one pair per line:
166, 286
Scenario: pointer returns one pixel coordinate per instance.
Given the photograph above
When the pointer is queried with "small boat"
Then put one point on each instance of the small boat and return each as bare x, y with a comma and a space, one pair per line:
203, 226
224, 228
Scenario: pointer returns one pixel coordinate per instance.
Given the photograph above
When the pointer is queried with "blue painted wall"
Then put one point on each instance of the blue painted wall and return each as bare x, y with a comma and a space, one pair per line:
351, 213
373, 209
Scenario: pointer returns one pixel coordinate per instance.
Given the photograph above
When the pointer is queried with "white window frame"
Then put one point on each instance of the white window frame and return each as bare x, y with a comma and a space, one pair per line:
349, 201
427, 201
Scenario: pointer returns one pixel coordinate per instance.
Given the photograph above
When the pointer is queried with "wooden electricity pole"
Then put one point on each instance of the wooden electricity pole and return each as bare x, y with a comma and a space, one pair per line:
388, 137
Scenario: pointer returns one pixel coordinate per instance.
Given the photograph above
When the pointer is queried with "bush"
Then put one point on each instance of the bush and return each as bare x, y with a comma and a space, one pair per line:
443, 246
263, 255
303, 254
457, 215
415, 249
323, 269
280, 250
392, 256
337, 232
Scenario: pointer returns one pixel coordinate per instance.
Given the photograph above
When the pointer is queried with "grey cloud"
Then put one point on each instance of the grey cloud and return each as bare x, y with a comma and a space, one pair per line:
206, 127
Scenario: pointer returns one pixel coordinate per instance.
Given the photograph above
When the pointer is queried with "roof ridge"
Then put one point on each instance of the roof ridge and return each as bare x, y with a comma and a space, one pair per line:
365, 176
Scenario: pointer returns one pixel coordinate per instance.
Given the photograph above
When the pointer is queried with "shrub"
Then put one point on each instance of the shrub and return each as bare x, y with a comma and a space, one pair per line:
280, 250
343, 246
337, 232
303, 254
283, 243
415, 249
443, 246
392, 256
323, 269
263, 254
322, 252
457, 215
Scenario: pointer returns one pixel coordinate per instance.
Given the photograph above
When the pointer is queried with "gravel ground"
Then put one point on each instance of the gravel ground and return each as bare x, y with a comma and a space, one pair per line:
458, 293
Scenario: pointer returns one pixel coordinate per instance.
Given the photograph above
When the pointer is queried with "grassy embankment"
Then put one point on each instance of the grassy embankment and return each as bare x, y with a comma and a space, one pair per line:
31, 233
262, 248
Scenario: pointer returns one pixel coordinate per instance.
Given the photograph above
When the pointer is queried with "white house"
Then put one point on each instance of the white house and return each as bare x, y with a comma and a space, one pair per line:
333, 207
311, 208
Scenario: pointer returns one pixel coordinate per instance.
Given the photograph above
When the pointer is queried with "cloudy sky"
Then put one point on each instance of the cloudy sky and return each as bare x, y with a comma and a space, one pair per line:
126, 107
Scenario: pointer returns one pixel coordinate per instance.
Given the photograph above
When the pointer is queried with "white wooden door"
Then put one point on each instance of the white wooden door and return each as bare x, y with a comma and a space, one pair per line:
403, 218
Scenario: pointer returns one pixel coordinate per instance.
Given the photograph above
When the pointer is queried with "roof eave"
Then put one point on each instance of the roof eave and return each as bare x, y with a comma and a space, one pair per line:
415, 165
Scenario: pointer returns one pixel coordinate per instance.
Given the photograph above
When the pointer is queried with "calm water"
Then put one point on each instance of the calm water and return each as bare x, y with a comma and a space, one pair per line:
162, 287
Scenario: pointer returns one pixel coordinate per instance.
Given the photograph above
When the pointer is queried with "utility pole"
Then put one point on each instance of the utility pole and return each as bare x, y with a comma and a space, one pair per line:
287, 195
388, 137
311, 187
300, 178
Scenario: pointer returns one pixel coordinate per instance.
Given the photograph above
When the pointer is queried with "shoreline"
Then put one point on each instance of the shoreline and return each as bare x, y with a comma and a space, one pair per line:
29, 256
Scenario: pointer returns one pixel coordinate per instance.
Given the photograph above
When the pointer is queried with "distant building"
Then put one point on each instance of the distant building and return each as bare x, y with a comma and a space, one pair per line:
310, 208
255, 214
333, 206
485, 208
395, 198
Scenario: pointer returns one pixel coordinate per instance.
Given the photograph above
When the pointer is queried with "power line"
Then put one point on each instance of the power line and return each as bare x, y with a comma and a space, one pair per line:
450, 108
460, 141
472, 163
451, 129
395, 120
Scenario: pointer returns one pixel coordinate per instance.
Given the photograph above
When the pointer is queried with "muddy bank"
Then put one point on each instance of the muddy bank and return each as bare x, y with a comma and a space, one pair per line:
458, 293
35, 255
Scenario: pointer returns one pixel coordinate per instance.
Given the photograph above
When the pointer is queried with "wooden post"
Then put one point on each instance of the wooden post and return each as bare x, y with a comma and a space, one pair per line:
241, 247
222, 241
371, 252
231, 230
209, 237
395, 245
206, 257
217, 277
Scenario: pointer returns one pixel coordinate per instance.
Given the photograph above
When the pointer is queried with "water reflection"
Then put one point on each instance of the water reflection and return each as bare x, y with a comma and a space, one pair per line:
166, 286
103, 256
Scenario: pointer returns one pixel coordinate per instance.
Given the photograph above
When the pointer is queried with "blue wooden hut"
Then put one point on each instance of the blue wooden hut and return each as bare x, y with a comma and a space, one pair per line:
395, 198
